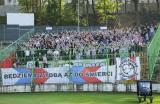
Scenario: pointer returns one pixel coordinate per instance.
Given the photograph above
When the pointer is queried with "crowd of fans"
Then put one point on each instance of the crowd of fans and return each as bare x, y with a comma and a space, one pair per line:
79, 45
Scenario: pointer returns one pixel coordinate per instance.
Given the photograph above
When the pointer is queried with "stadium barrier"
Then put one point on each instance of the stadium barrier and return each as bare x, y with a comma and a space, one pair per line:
6, 52
65, 56
75, 87
69, 61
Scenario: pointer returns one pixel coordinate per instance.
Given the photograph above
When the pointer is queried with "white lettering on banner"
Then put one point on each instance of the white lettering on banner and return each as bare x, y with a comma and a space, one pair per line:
11, 76
125, 69
128, 68
110, 72
8, 78
60, 75
89, 63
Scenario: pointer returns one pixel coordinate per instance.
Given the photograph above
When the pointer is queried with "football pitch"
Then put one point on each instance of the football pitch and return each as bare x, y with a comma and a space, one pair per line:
73, 98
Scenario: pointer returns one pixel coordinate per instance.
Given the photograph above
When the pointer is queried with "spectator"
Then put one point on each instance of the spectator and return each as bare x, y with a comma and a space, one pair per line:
45, 62
37, 63
91, 43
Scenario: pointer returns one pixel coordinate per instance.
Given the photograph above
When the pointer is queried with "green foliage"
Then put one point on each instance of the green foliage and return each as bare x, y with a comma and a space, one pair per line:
105, 9
3, 19
57, 12
52, 12
69, 16
84, 22
1, 2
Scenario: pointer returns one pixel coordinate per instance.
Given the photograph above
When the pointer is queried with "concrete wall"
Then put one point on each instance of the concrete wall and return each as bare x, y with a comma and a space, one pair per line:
74, 87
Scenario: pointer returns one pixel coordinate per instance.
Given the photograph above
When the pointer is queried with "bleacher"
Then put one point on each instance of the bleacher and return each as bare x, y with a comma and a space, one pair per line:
16, 53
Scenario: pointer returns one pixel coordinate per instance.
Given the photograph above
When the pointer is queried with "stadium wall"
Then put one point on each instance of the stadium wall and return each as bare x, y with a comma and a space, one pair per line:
74, 87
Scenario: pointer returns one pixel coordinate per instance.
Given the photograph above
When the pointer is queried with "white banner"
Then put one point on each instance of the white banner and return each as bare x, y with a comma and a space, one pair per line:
128, 68
66, 74
12, 76
111, 73
54, 75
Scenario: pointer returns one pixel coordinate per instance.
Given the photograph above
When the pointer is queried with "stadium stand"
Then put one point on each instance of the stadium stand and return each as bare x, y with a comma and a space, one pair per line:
72, 49
115, 38
86, 45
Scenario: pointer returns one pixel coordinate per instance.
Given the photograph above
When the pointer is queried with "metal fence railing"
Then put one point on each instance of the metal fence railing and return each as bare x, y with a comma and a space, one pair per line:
71, 57
79, 54
103, 59
13, 32
6, 52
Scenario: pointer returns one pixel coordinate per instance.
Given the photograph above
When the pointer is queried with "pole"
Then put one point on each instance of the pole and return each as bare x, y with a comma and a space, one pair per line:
78, 27
33, 69
105, 11
4, 33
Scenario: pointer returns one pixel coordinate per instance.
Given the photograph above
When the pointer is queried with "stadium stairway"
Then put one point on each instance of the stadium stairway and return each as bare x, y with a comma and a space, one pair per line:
7, 54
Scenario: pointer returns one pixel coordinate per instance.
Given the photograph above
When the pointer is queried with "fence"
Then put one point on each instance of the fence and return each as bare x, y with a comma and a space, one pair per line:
13, 32
106, 60
6, 52
65, 56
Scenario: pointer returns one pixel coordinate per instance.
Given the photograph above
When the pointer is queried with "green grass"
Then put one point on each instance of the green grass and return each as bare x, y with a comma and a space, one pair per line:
72, 98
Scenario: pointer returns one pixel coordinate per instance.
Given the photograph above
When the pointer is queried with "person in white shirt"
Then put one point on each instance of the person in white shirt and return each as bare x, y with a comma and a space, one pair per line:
56, 54
45, 62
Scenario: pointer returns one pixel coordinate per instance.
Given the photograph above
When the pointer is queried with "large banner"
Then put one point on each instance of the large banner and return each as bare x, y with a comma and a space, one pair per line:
93, 74
51, 75
125, 69
128, 68
12, 76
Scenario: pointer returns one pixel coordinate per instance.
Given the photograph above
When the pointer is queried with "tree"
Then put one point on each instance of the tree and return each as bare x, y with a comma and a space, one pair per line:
106, 10
157, 2
1, 2
136, 5
68, 16
51, 12
125, 6
34, 6
93, 8
87, 12
74, 4
148, 6
136, 2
